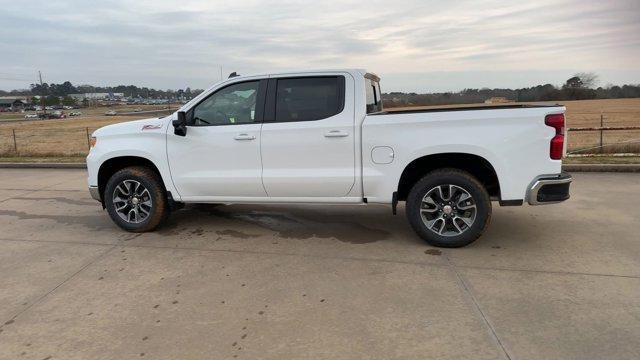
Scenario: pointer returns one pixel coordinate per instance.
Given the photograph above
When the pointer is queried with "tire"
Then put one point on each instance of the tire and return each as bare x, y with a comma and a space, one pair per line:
150, 194
451, 223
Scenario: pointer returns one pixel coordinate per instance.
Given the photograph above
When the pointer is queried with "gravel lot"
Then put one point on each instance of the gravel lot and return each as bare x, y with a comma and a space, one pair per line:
314, 282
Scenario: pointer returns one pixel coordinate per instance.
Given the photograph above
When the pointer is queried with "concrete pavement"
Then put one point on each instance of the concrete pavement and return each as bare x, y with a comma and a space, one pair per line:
334, 282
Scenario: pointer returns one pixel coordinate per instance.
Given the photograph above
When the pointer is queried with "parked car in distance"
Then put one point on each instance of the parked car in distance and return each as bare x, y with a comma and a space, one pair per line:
137, 110
67, 107
53, 115
111, 113
31, 116
75, 113
57, 115
323, 137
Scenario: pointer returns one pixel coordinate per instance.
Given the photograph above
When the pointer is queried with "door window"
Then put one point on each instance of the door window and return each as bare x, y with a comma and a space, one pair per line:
234, 104
309, 98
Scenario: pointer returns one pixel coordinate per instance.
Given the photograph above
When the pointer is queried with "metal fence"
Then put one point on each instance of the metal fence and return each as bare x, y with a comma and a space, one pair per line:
606, 134
45, 142
606, 140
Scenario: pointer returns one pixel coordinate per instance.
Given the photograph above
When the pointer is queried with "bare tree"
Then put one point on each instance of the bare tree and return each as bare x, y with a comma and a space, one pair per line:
589, 80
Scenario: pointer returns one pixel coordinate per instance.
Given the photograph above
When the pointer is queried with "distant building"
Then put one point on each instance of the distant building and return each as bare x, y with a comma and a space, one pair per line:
497, 100
12, 104
97, 96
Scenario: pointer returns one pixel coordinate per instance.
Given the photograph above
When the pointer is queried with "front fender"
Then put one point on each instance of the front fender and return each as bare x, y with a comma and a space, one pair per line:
148, 145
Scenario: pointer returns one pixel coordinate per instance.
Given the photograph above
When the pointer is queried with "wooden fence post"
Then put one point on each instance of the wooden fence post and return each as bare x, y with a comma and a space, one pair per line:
15, 144
601, 131
88, 139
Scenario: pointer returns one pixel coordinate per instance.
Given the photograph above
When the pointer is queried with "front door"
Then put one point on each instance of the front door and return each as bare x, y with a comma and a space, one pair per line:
308, 144
220, 155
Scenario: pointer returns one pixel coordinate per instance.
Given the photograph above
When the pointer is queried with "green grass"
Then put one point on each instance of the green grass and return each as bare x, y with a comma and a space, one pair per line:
42, 159
602, 160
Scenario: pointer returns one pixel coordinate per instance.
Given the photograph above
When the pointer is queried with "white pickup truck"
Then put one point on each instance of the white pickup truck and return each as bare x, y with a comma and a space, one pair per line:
323, 137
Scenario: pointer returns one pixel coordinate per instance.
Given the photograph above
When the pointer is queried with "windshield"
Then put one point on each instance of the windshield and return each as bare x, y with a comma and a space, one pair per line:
374, 96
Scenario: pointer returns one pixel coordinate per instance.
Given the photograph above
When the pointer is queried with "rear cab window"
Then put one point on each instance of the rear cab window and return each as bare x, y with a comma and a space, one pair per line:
373, 94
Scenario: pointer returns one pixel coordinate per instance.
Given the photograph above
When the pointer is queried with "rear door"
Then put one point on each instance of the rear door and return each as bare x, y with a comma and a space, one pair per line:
307, 139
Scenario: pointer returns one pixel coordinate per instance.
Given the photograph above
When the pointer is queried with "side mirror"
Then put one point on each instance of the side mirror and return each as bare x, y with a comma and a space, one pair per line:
180, 124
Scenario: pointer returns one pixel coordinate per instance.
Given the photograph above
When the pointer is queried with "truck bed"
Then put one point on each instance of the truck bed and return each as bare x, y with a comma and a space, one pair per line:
513, 138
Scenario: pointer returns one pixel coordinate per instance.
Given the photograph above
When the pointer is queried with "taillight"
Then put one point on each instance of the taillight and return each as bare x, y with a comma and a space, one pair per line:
556, 147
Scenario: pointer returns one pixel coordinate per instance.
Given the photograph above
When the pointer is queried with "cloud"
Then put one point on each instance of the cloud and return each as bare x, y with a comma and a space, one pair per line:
168, 45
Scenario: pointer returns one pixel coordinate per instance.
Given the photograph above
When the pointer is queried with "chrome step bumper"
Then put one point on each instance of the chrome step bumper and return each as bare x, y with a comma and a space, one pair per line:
549, 189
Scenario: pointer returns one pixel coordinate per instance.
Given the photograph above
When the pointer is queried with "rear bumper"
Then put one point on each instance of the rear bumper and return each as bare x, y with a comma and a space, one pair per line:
549, 189
95, 193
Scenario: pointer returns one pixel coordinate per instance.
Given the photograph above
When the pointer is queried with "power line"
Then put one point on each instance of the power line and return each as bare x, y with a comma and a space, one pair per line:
15, 79
14, 74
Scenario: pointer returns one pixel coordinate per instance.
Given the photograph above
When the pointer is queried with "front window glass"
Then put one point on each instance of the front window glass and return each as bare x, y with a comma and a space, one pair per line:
234, 104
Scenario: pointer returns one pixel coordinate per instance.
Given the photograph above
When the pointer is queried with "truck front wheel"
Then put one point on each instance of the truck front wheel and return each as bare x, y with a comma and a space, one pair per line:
448, 208
135, 199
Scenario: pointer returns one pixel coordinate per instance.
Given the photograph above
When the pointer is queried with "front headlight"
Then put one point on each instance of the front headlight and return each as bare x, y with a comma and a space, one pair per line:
92, 141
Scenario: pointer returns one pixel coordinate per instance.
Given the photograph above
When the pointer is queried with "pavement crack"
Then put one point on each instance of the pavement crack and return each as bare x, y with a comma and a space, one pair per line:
41, 298
476, 307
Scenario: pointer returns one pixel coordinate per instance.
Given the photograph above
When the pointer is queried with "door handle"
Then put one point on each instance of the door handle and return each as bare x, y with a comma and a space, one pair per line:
244, 137
336, 133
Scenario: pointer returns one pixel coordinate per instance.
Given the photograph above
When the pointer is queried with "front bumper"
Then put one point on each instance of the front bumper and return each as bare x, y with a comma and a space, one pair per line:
95, 193
549, 189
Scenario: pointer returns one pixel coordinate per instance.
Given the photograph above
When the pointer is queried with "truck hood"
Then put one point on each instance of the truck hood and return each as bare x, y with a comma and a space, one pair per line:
132, 127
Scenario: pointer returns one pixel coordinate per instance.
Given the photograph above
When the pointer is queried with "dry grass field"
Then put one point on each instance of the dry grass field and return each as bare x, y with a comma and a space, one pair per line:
617, 112
68, 137
63, 137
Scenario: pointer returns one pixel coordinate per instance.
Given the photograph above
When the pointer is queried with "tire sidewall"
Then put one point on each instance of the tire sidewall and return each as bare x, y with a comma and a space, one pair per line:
458, 178
154, 190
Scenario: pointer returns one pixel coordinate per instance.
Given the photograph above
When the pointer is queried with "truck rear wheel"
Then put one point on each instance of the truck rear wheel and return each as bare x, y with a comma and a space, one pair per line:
448, 208
135, 199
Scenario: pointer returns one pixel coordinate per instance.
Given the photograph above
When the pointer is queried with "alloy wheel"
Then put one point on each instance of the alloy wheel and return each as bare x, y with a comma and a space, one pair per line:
132, 201
448, 210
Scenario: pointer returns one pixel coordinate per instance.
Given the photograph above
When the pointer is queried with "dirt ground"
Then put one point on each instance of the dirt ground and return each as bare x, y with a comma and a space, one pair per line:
315, 282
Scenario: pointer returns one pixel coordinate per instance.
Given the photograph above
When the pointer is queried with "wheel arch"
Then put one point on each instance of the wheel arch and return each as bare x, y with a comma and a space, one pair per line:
476, 165
115, 164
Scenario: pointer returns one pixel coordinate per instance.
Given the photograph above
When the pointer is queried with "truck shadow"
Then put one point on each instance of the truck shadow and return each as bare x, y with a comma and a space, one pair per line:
287, 223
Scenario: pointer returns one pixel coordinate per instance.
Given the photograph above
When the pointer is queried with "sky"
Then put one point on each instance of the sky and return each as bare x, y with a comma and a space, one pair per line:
414, 45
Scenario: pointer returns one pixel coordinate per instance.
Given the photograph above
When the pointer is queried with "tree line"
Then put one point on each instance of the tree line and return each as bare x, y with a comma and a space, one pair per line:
579, 87
64, 89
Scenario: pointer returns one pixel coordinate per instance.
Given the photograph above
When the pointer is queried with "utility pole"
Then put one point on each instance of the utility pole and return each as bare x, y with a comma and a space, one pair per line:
44, 111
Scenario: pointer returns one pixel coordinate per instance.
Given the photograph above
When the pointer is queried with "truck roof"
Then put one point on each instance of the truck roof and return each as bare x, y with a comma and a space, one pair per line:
353, 71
